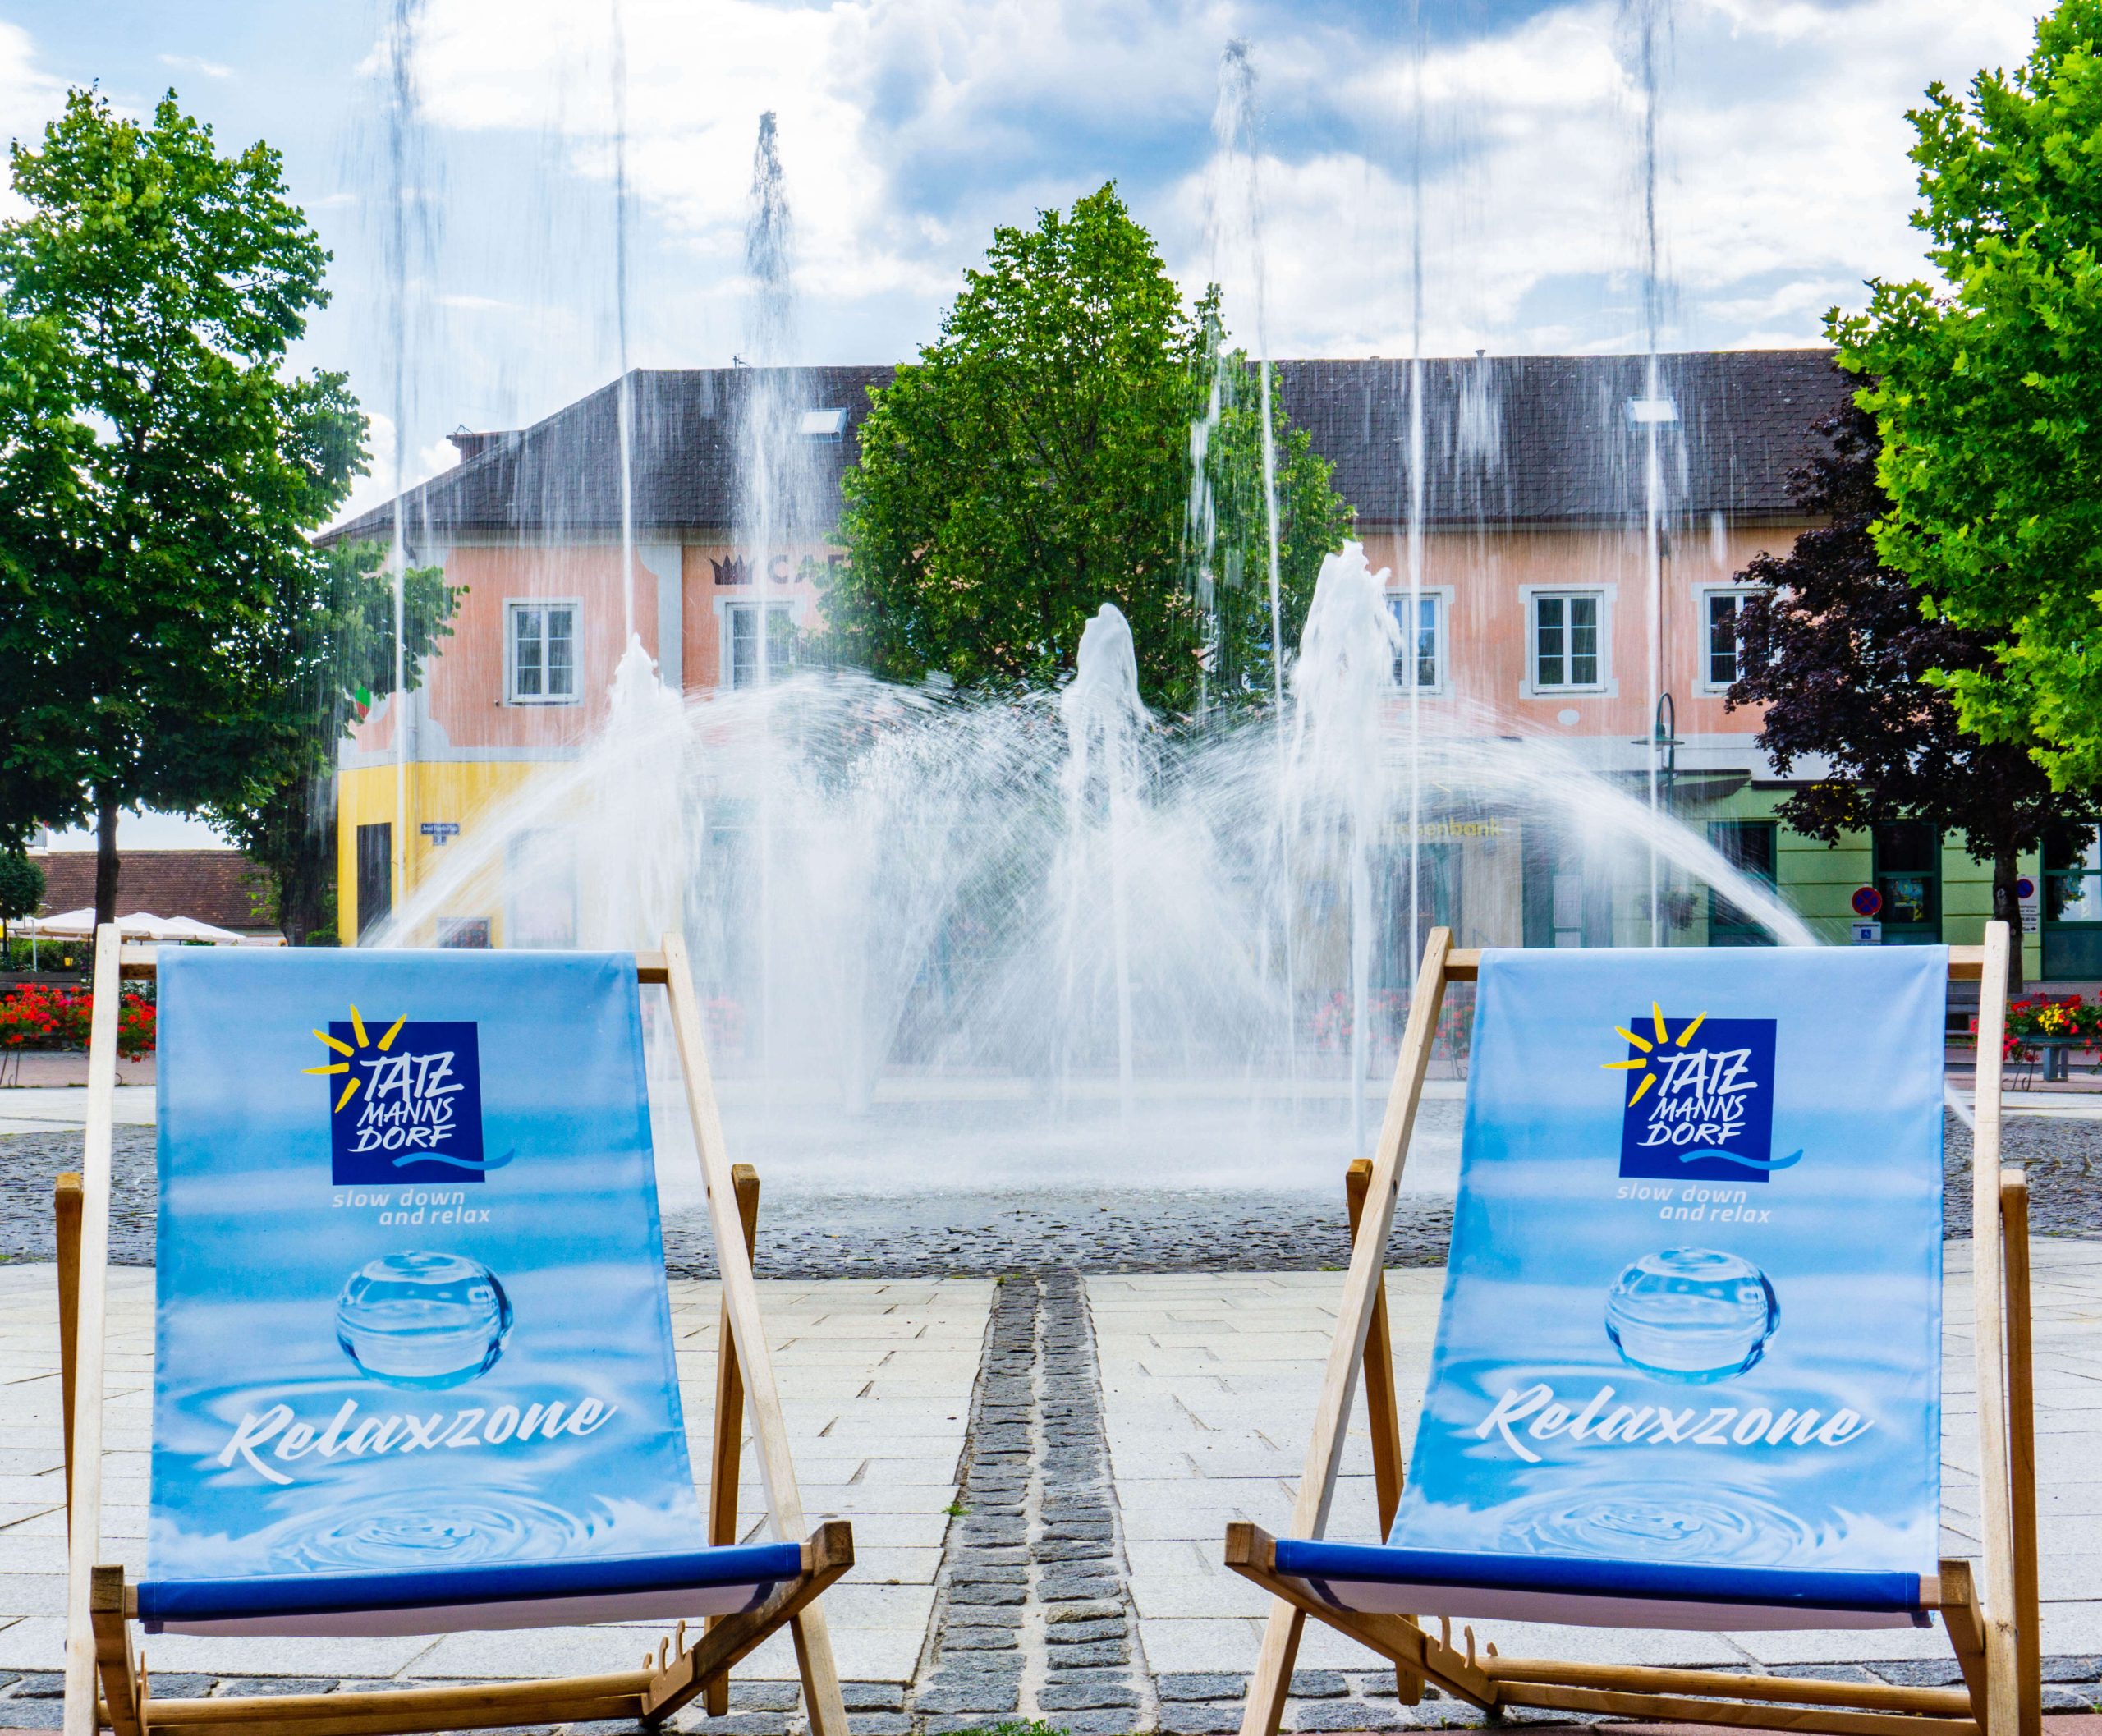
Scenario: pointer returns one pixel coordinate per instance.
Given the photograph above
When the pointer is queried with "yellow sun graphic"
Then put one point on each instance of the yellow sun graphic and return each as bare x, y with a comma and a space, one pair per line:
1641, 1063
344, 1050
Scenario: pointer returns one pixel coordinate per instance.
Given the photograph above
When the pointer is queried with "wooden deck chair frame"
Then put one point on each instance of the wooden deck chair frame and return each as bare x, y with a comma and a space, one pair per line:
99, 1604
1992, 1627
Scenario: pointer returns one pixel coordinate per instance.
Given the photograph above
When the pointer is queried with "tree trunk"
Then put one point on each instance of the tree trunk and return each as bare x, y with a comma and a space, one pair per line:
106, 863
2007, 907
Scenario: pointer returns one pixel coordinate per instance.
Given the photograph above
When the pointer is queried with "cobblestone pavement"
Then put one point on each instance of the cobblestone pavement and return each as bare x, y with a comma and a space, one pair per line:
984, 1232
1034, 1617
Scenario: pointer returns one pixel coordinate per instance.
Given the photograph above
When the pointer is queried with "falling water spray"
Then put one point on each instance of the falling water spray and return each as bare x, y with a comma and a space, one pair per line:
1647, 22
626, 391
1234, 219
403, 18
1413, 638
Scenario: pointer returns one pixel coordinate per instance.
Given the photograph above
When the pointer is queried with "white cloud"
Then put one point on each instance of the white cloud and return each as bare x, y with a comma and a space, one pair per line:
378, 488
195, 63
29, 98
910, 127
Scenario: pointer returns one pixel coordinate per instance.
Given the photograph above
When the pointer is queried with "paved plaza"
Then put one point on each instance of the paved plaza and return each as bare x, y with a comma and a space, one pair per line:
1037, 1471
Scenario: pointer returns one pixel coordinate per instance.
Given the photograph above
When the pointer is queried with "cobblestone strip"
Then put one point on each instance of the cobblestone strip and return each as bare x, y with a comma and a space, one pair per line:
972, 1672
1094, 1677
1033, 1618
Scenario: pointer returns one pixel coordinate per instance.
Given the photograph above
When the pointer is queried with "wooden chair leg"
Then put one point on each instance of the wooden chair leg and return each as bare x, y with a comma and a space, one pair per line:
2021, 1451
1380, 1407
730, 1429
1271, 1685
1966, 1626
123, 1690
66, 1209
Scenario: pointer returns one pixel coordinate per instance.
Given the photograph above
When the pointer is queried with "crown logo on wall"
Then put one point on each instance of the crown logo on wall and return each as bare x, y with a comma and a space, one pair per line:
735, 570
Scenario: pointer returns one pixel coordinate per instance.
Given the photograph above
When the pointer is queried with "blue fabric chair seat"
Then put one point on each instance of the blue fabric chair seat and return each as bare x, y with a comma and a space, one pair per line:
708, 1582
1425, 1582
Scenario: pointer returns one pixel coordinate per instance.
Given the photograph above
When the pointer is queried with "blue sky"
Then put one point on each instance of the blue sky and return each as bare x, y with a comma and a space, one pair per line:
910, 127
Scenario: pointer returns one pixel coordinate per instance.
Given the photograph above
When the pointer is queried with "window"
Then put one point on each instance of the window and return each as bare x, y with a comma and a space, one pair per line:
1423, 650
1908, 855
539, 869
1565, 639
2072, 902
543, 653
741, 648
2073, 875
1720, 610
1747, 846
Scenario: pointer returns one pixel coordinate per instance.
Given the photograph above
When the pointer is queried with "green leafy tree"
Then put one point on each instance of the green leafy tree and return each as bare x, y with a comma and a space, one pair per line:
160, 471
318, 654
21, 886
1847, 660
1984, 391
1034, 463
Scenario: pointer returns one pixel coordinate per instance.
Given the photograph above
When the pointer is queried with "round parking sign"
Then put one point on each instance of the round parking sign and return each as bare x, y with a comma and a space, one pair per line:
2024, 888
1867, 902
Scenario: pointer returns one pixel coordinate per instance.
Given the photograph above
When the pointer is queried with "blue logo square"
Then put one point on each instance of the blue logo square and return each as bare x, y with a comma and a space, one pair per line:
416, 1113
1699, 1103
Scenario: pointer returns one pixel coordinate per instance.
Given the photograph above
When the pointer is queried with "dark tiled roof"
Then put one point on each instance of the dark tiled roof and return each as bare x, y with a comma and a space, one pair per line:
214, 886
1506, 438
1548, 438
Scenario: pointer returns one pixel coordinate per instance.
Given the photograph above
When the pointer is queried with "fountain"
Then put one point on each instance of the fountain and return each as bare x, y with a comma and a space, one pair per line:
1103, 716
1342, 682
1043, 939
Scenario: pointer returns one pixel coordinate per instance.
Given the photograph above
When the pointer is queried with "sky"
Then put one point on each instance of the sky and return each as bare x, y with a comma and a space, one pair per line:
1498, 142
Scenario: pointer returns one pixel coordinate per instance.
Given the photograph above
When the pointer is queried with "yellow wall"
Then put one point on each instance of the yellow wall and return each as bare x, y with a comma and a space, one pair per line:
455, 790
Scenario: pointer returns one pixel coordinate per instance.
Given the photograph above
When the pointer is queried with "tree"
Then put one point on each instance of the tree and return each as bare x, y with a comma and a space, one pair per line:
320, 652
159, 472
1848, 659
21, 886
1034, 463
1985, 392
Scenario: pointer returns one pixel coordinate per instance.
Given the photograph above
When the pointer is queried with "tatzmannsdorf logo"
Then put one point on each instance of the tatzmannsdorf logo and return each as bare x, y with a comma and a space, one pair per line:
1700, 1098
409, 1107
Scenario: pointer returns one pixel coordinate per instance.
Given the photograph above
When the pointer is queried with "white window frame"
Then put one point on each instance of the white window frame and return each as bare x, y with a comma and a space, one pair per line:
1703, 594
1606, 685
1440, 598
511, 606
726, 606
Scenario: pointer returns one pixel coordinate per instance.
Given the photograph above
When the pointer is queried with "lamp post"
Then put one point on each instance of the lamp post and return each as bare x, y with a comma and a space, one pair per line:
1662, 742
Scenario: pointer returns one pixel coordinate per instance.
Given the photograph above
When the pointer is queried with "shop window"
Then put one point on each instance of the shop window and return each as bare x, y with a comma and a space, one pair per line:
1908, 875
741, 648
540, 873
2072, 927
1749, 845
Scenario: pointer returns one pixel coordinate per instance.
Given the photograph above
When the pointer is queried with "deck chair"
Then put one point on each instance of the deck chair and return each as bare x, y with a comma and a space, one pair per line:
1687, 1368
414, 1365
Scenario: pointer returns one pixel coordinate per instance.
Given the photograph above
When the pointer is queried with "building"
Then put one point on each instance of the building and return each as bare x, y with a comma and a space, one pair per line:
1535, 617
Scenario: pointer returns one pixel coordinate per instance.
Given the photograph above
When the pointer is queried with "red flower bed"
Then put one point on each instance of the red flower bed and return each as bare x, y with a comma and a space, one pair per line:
40, 1015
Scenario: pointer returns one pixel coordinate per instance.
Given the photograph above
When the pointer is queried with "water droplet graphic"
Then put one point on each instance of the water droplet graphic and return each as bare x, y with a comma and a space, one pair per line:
1712, 1523
1692, 1314
423, 1319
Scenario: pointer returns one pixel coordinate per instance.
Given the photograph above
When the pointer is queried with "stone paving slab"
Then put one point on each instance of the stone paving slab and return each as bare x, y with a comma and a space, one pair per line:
1209, 1383
876, 1378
